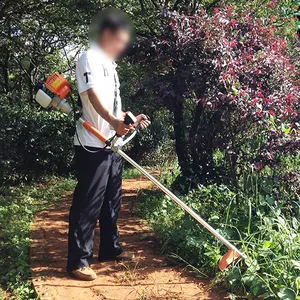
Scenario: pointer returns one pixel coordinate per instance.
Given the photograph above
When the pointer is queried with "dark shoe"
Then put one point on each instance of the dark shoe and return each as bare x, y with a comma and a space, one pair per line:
125, 256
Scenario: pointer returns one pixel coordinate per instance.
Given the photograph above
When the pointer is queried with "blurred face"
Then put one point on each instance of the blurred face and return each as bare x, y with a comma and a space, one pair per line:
114, 43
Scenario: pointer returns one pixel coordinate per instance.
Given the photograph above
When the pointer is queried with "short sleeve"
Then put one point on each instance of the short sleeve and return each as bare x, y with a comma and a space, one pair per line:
87, 74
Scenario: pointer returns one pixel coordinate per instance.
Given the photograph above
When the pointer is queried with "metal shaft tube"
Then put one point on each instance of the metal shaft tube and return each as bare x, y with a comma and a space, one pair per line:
181, 204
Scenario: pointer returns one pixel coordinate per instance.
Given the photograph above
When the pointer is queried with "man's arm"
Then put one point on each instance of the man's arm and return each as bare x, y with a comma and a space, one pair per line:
116, 123
142, 119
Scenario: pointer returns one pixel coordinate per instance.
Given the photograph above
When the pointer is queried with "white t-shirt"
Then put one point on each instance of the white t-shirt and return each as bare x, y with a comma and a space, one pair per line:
94, 69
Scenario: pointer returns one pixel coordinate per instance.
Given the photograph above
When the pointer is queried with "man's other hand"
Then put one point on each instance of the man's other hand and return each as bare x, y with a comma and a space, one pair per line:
143, 120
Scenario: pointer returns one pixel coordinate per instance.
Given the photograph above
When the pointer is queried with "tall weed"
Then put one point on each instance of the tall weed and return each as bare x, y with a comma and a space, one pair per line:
257, 223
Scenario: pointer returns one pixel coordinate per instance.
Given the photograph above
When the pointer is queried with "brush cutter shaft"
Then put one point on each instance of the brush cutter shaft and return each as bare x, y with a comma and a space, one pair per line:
93, 130
181, 203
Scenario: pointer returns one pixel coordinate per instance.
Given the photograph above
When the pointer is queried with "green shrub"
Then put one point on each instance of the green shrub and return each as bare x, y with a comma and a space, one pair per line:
129, 173
182, 234
18, 205
273, 252
34, 143
270, 240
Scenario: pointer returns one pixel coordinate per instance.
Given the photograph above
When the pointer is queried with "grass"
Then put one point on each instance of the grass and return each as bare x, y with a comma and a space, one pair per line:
18, 205
130, 173
130, 274
264, 229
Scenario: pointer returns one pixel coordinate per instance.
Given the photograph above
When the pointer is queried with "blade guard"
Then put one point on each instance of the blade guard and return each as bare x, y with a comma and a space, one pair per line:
228, 259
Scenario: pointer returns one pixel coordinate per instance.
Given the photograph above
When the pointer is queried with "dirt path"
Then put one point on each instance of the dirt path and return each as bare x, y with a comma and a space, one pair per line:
149, 276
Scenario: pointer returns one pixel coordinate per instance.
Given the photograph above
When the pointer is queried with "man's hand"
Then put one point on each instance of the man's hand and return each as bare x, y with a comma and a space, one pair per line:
143, 120
120, 127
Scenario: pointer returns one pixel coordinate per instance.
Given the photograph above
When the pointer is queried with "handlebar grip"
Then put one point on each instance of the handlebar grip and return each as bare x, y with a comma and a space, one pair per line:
129, 118
138, 126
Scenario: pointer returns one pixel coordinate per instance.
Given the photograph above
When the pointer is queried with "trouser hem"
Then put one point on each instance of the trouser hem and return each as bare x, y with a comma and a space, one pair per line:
79, 266
110, 256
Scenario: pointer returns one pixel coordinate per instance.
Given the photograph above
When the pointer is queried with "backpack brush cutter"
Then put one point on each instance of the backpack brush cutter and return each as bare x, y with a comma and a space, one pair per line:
52, 93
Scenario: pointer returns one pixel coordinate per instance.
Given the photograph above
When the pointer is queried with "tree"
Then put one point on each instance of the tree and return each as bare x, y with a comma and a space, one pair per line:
35, 35
234, 74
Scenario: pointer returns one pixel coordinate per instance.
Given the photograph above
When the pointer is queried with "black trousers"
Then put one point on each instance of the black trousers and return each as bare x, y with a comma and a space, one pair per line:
97, 196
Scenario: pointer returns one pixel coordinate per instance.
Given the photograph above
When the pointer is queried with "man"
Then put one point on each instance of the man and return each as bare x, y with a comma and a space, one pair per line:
99, 170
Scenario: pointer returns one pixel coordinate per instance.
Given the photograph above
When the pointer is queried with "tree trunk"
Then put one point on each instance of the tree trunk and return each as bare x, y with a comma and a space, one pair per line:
4, 67
29, 82
194, 140
181, 144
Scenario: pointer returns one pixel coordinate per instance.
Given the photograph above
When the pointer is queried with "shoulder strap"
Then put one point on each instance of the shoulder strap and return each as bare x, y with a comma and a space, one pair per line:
115, 110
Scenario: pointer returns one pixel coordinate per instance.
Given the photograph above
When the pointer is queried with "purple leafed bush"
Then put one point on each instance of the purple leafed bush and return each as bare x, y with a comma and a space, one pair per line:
231, 85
